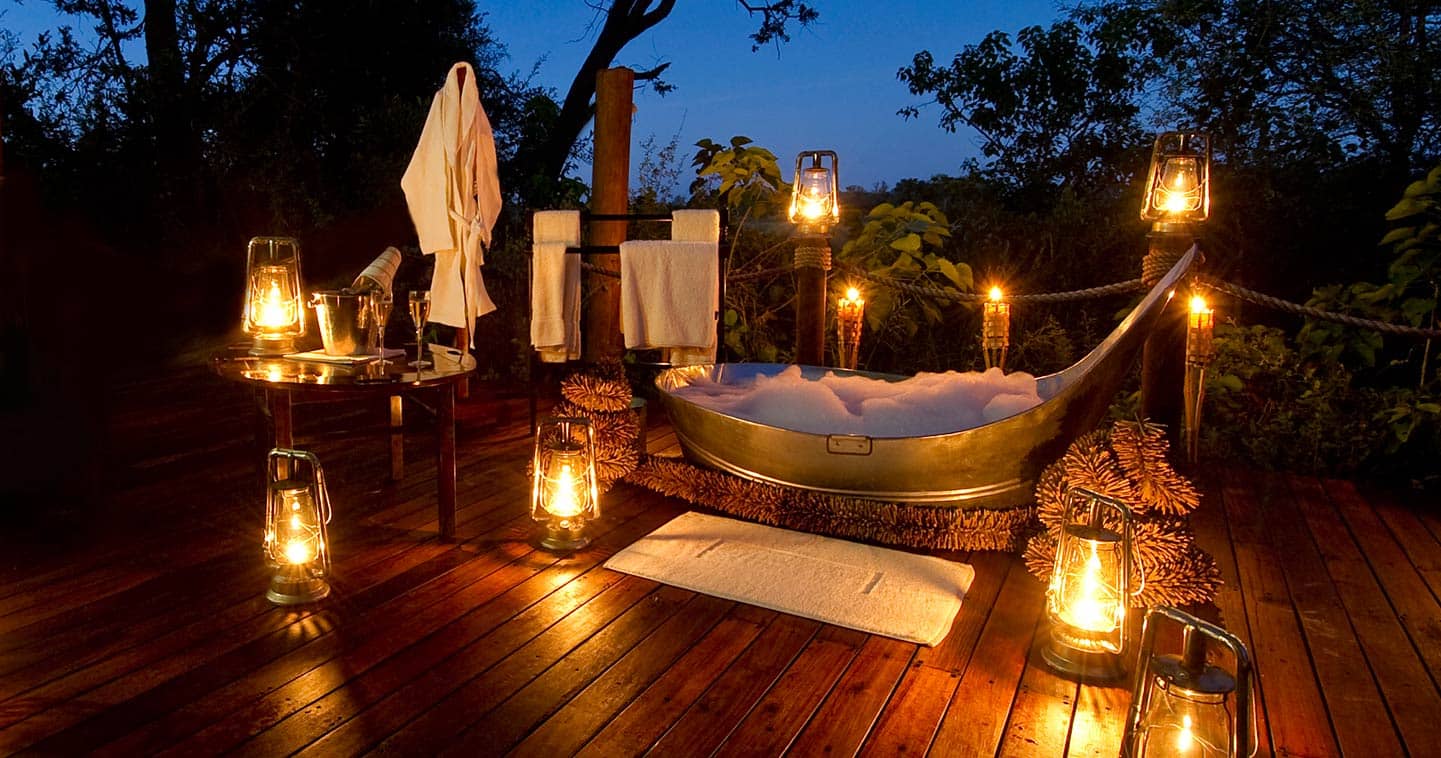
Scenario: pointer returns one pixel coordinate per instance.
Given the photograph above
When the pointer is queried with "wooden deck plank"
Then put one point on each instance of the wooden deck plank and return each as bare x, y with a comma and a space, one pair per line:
954, 652
710, 719
975, 719
780, 715
909, 721
1099, 720
375, 665
1213, 536
852, 706
1410, 694
1417, 608
1298, 721
462, 695
1421, 548
648, 717
119, 679
1358, 714
575, 722
1040, 719
504, 725
486, 639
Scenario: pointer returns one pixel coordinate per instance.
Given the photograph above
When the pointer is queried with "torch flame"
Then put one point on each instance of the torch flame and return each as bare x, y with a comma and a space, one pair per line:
853, 294
1198, 304
996, 294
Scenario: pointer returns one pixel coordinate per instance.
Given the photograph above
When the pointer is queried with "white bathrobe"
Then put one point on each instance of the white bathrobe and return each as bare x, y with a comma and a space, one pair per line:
453, 193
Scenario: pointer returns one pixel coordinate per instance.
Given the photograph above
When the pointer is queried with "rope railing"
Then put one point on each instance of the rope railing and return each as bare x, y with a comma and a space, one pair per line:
1117, 288
942, 293
1287, 306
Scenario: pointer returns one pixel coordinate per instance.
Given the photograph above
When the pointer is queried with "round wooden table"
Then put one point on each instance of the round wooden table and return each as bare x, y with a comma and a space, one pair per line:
278, 381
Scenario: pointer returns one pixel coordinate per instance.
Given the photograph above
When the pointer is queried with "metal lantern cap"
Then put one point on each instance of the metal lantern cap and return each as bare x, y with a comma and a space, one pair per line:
1093, 533
1208, 684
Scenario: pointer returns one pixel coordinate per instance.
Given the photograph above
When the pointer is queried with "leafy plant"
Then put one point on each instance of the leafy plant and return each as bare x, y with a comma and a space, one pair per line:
746, 179
1267, 404
905, 242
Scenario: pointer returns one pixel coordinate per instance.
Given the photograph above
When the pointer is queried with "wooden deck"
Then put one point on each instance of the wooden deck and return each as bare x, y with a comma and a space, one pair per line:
139, 627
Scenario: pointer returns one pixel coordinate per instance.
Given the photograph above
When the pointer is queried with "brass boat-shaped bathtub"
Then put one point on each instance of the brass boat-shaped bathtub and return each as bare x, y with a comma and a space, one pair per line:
990, 466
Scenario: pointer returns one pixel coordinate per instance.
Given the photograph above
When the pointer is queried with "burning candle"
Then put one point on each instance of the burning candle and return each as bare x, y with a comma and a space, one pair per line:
995, 328
850, 310
1200, 324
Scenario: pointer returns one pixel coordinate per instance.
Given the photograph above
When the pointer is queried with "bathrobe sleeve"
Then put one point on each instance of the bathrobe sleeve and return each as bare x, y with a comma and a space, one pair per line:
426, 183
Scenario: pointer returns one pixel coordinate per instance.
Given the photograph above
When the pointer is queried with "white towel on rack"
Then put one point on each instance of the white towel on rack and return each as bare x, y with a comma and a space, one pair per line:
555, 286
668, 294
695, 225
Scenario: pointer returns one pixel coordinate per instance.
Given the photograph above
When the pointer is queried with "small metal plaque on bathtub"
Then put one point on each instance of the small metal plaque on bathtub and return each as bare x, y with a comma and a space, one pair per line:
848, 444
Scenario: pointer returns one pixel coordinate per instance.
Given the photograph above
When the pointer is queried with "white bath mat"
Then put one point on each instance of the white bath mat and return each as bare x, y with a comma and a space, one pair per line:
872, 589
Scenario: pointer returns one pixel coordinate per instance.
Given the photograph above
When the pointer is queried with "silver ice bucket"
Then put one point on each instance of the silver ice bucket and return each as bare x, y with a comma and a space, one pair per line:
345, 323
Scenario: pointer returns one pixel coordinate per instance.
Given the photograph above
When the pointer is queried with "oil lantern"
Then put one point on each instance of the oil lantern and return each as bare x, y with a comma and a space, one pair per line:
1090, 587
564, 495
273, 314
297, 508
1178, 188
1184, 706
815, 198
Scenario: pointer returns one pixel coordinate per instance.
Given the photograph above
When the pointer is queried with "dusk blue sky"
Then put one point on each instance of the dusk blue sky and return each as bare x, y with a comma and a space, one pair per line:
833, 86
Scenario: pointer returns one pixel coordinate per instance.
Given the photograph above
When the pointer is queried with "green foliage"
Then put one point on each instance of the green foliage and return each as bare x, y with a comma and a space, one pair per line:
1056, 106
1267, 405
905, 242
746, 179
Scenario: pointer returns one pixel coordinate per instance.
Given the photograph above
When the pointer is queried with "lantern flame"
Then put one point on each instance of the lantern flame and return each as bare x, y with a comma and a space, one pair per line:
274, 308
1198, 304
853, 294
1089, 610
563, 501
298, 551
996, 294
814, 208
1185, 740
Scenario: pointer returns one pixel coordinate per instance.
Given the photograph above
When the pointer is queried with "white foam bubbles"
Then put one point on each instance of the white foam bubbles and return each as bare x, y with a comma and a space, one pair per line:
925, 404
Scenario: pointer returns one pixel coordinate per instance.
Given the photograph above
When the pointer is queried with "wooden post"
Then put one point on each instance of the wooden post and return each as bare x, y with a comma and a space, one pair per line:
1163, 359
812, 261
609, 193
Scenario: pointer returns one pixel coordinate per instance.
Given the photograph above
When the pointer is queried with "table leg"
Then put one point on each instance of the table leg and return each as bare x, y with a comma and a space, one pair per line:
281, 423
280, 419
462, 341
445, 460
264, 438
397, 438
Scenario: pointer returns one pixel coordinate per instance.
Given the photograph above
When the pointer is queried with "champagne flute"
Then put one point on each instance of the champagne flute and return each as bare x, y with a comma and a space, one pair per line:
380, 305
419, 312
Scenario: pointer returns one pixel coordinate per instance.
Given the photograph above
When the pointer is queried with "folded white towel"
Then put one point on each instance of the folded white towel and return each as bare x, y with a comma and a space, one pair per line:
668, 294
694, 225
555, 286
